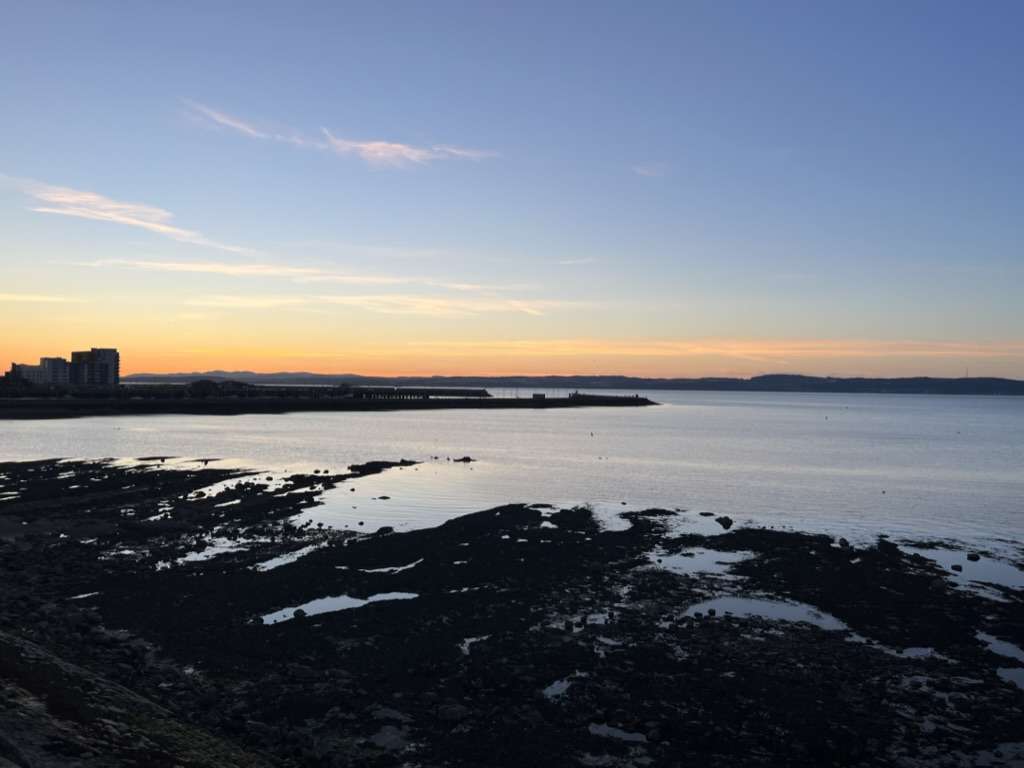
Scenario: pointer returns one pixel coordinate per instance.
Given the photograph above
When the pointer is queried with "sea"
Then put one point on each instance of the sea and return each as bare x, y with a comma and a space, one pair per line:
915, 467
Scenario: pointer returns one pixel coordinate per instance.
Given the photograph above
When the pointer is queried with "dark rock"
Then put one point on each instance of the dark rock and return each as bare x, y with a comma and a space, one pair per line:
887, 548
387, 713
391, 738
453, 712
311, 692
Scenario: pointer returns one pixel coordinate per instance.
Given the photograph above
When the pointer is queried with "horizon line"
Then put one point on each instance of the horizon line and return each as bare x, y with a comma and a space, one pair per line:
217, 371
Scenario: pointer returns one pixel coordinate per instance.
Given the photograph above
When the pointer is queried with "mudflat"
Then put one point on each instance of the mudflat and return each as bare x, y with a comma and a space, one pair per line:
162, 617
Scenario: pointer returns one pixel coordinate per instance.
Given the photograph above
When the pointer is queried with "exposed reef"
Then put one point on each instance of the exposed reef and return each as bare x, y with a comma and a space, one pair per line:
178, 616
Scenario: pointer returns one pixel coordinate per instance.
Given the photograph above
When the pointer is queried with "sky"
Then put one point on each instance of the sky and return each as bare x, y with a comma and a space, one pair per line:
657, 189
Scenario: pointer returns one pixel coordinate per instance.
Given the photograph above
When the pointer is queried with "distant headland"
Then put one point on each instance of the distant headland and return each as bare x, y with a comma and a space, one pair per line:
917, 385
90, 385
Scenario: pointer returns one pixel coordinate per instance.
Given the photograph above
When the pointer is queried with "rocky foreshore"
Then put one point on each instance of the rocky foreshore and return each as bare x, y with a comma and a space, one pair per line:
156, 616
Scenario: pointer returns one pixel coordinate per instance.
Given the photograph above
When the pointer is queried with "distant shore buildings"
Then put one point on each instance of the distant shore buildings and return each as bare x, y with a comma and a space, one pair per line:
96, 367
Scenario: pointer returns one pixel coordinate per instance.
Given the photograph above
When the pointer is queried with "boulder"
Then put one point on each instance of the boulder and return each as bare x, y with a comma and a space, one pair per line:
391, 738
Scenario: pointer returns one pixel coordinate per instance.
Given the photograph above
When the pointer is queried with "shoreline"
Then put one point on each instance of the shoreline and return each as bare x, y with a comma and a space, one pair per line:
922, 385
210, 629
69, 407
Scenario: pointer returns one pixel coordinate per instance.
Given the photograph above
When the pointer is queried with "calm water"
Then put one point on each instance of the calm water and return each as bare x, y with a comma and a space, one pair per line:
949, 467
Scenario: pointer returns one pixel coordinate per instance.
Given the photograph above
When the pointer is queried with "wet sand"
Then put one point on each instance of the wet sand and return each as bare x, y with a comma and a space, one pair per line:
161, 617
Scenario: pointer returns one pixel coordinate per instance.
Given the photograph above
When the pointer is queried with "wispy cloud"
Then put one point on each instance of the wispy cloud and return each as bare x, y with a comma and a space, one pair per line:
389, 304
443, 306
35, 298
470, 154
391, 153
348, 279
772, 351
247, 302
295, 273
227, 121
376, 251
454, 286
207, 267
575, 262
380, 152
375, 152
650, 169
449, 285
66, 201
396, 154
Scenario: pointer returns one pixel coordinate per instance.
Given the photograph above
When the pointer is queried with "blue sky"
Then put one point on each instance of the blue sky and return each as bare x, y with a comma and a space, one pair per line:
668, 188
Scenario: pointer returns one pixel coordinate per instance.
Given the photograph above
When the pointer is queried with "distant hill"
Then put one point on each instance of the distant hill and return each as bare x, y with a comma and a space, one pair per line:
768, 383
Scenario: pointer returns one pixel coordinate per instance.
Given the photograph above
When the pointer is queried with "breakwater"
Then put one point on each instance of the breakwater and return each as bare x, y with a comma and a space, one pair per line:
72, 407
